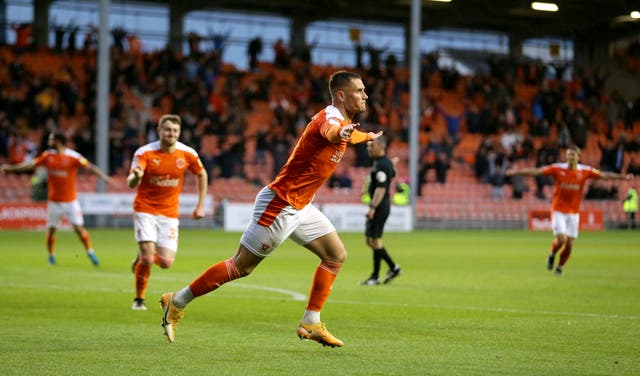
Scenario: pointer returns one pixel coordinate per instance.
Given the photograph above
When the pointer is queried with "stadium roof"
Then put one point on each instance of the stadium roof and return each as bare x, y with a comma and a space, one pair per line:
576, 18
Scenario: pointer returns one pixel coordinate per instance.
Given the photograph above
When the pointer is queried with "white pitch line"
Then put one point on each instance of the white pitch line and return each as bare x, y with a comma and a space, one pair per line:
301, 297
292, 294
497, 309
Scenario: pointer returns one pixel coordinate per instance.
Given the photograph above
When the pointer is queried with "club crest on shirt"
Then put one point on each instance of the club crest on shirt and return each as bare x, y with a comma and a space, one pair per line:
337, 156
265, 247
180, 163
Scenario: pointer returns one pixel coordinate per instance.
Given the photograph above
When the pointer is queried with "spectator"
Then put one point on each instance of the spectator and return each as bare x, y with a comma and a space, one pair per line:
282, 54
511, 139
279, 146
633, 167
453, 123
90, 43
21, 148
564, 136
374, 60
59, 32
390, 63
218, 41
340, 178
402, 196
254, 50
634, 144
119, 35
630, 207
359, 52
427, 162
482, 166
24, 36
194, 39
442, 165
611, 155
305, 52
497, 180
578, 123
546, 155
599, 191
71, 44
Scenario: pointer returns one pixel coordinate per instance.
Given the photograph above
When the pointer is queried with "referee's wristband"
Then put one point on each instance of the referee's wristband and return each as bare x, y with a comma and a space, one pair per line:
372, 206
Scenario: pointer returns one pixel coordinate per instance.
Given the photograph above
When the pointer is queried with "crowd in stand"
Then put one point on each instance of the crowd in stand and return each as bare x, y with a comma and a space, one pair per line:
145, 85
630, 57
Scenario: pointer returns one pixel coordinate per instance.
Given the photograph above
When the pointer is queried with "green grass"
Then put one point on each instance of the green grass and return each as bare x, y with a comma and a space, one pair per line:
467, 303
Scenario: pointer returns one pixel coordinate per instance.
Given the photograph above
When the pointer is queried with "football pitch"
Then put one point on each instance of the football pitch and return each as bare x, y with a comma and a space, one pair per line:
467, 303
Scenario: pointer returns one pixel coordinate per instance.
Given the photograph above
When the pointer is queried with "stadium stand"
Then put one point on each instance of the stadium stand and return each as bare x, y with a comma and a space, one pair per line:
241, 106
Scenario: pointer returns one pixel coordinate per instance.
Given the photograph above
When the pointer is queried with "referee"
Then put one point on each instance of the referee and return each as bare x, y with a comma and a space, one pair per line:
382, 173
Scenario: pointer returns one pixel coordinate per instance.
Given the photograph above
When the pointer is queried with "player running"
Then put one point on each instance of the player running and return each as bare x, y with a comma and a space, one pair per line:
157, 171
282, 210
62, 166
570, 178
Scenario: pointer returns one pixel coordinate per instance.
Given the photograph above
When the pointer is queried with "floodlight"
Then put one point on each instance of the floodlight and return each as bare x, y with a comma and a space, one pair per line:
545, 7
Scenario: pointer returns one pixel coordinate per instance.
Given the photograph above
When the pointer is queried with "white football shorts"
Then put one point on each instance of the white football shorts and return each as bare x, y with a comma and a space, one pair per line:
273, 221
567, 224
156, 228
71, 210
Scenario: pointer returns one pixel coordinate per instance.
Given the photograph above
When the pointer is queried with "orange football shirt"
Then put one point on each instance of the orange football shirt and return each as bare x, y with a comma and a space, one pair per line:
62, 170
159, 190
313, 159
569, 184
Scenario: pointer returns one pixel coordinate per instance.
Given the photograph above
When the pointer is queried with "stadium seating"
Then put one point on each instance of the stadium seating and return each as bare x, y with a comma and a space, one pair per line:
461, 197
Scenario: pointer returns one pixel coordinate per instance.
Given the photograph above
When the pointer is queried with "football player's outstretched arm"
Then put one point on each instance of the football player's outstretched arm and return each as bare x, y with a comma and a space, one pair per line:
21, 167
97, 171
348, 132
606, 175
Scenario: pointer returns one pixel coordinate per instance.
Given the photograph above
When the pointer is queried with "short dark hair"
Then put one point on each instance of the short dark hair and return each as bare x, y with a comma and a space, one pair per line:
575, 148
383, 140
341, 79
60, 137
170, 117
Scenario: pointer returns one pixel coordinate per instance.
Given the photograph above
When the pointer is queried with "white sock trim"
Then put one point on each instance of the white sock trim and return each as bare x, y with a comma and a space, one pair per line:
311, 317
183, 297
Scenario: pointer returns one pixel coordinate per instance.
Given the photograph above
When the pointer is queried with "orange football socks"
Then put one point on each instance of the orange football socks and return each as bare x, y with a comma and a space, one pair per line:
86, 239
323, 279
564, 255
555, 246
51, 242
142, 273
214, 277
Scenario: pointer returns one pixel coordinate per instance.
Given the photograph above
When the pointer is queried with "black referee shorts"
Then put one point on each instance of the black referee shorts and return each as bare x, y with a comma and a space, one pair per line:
375, 226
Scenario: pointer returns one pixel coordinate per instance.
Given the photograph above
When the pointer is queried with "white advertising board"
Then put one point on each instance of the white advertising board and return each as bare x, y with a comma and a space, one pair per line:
351, 217
236, 215
345, 217
122, 203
